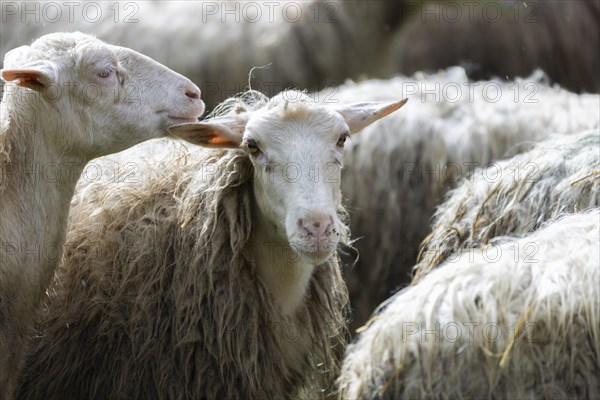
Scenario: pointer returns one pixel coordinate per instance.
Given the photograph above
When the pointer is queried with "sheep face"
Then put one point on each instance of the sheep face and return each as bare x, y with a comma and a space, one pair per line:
297, 152
296, 148
104, 98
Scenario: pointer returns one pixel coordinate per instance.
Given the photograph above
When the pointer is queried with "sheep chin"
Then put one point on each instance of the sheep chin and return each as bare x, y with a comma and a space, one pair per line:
314, 252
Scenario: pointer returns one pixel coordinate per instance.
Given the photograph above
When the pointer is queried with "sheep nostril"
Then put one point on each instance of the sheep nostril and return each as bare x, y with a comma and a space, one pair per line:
192, 94
328, 229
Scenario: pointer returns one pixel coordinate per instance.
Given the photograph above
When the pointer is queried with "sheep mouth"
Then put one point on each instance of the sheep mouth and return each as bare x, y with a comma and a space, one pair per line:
177, 120
314, 253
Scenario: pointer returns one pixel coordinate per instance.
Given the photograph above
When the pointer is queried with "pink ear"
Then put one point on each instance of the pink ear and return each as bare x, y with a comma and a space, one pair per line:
220, 132
36, 75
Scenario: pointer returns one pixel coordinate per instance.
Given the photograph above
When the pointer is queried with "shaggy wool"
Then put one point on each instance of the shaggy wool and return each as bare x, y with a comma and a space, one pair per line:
516, 196
519, 318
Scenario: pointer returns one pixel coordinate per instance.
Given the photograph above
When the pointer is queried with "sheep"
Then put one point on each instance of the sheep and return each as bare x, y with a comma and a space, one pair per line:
67, 99
398, 171
516, 319
515, 196
211, 274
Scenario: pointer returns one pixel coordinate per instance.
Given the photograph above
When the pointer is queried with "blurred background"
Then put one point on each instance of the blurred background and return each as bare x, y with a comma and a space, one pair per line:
316, 44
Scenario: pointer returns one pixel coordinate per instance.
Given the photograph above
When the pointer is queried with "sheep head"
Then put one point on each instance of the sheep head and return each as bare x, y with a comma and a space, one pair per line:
94, 97
296, 148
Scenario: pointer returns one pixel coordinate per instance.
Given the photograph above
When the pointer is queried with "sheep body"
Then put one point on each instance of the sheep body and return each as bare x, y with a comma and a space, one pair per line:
519, 319
398, 172
171, 312
515, 196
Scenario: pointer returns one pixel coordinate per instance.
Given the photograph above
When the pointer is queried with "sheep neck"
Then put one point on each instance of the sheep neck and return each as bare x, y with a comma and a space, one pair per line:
281, 270
39, 183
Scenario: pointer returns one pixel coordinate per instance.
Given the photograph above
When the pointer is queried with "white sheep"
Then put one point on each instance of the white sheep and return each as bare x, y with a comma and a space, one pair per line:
213, 273
515, 196
67, 99
398, 171
519, 318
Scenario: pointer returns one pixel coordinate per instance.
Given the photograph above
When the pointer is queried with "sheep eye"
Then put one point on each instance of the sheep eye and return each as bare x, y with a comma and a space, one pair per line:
252, 146
105, 73
342, 140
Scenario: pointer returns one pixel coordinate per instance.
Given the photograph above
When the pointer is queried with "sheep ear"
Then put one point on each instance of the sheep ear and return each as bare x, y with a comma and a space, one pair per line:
220, 132
37, 75
361, 115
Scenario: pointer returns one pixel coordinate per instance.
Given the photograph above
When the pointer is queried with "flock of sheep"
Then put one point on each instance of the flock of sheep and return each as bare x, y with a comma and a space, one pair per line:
237, 258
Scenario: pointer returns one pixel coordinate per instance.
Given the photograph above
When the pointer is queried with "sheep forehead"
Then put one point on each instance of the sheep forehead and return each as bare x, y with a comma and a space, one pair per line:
81, 51
296, 122
60, 46
90, 54
65, 49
